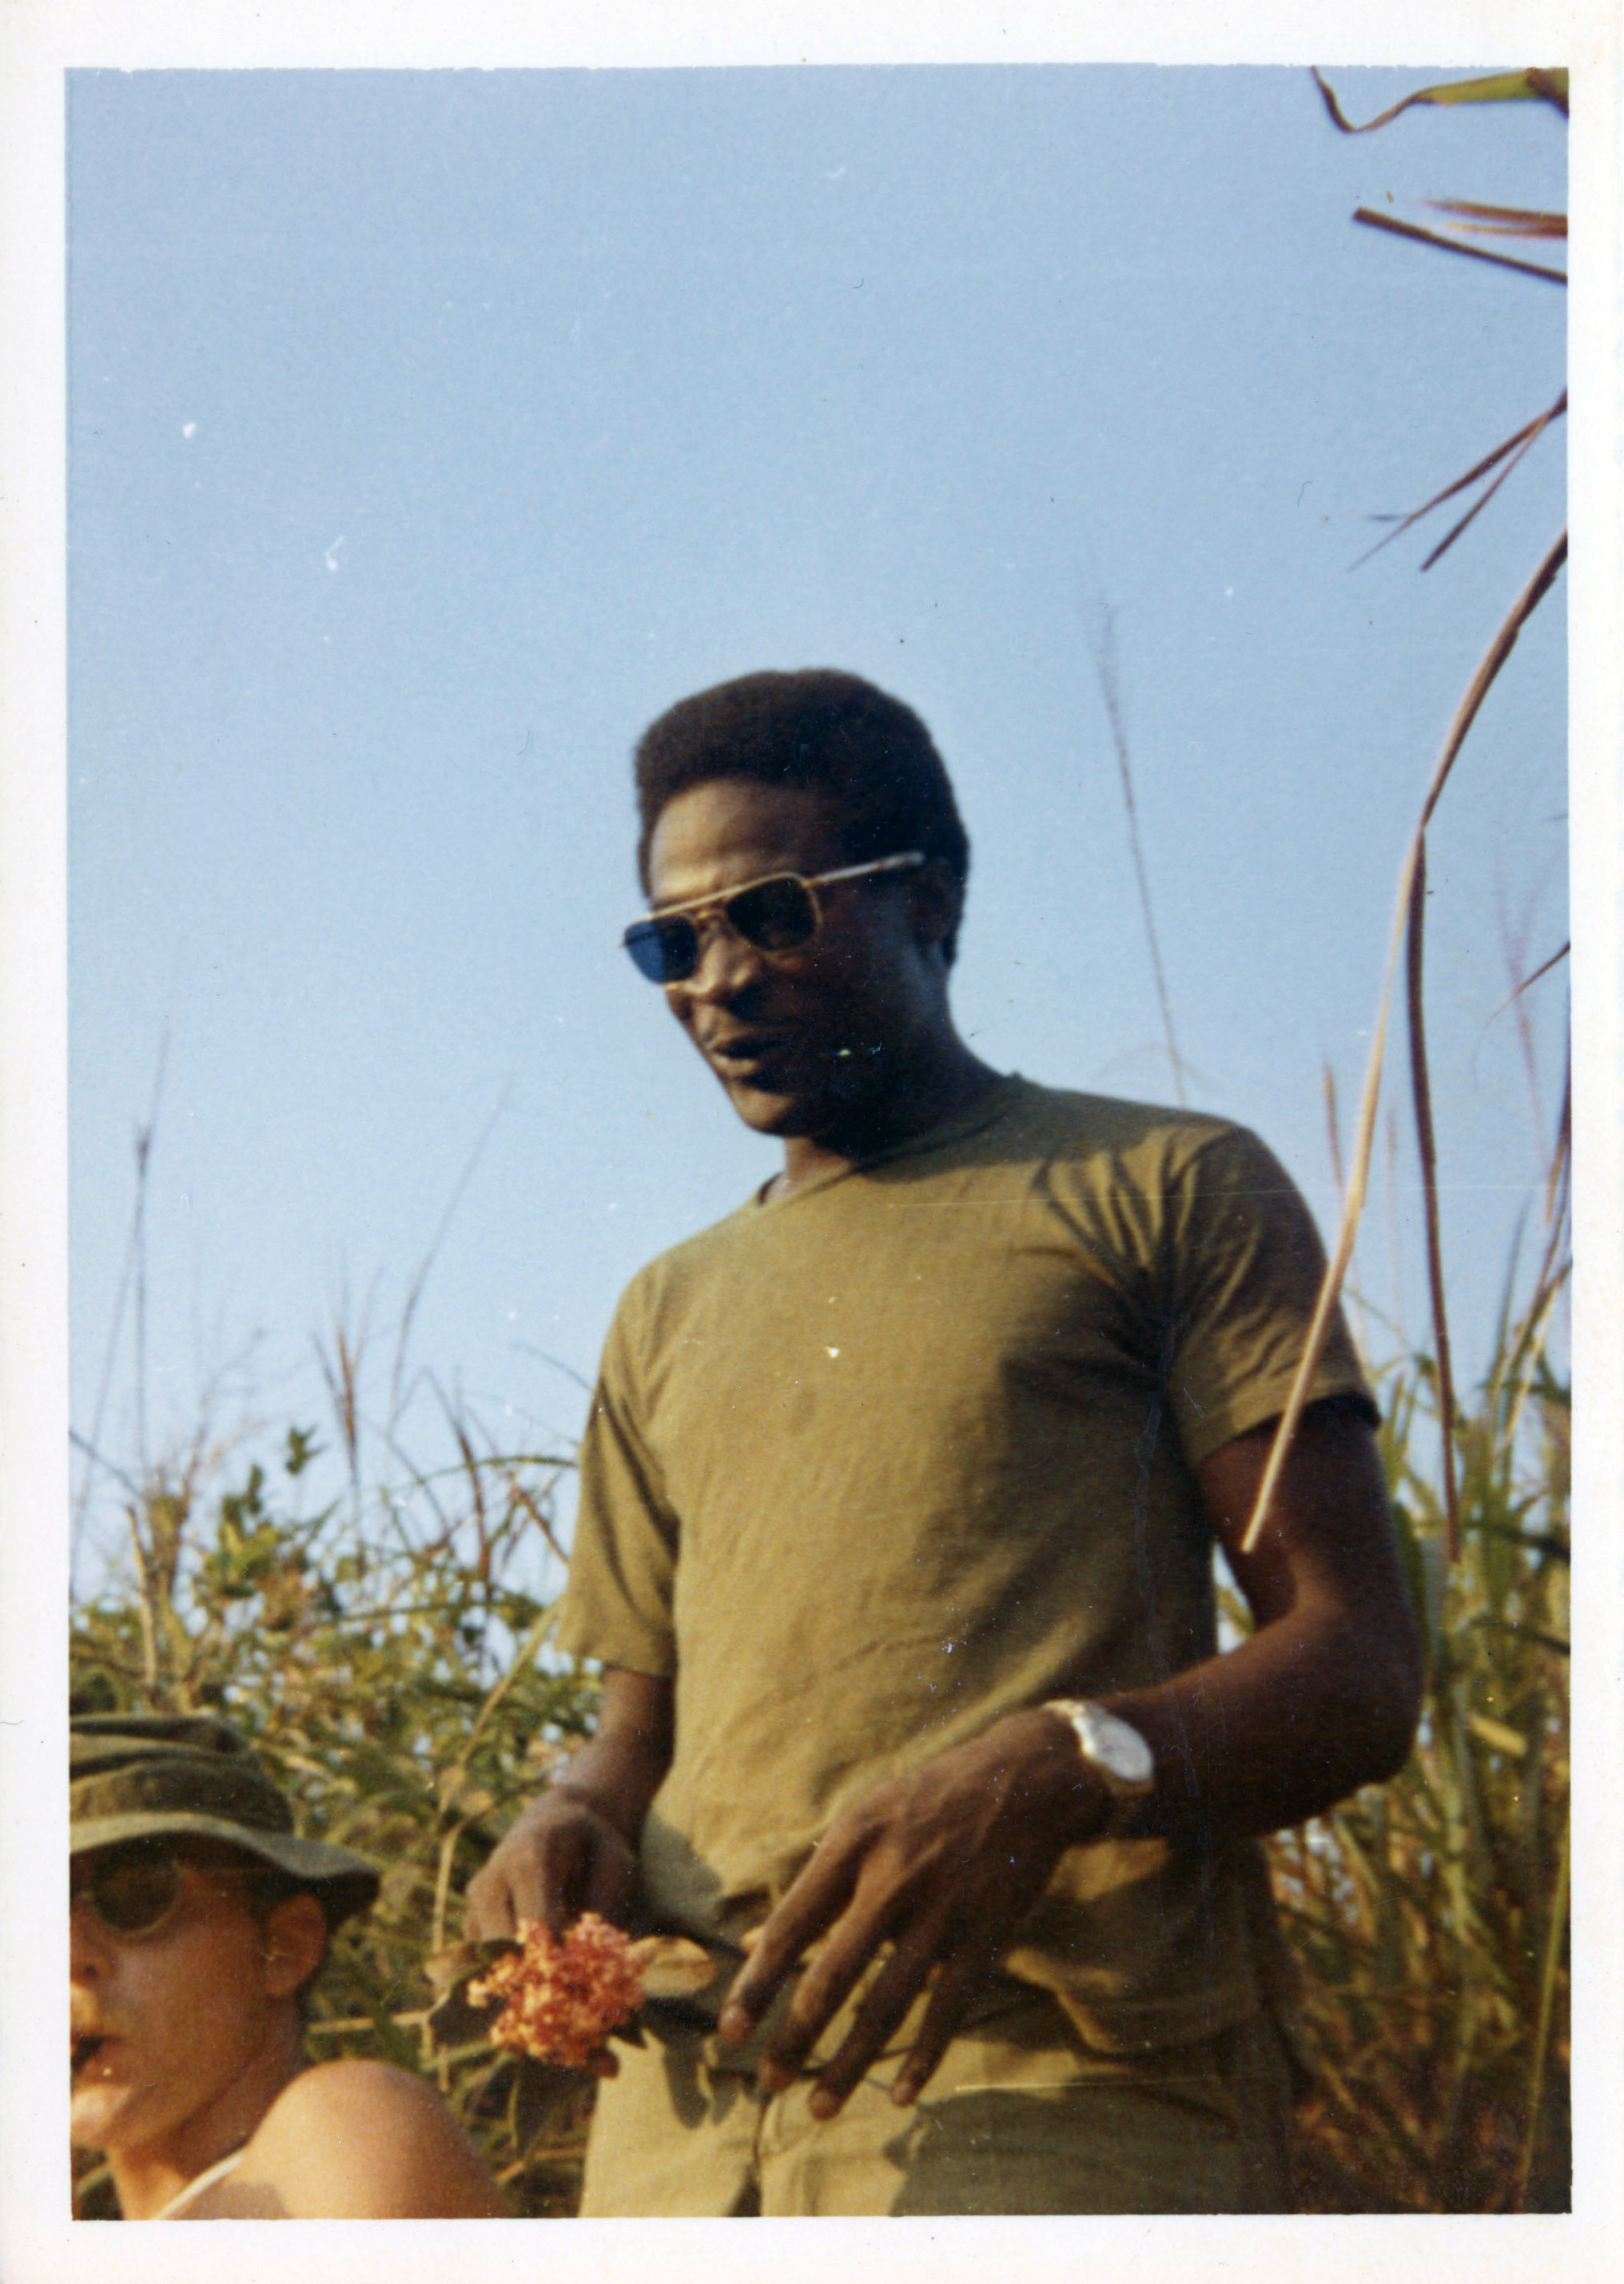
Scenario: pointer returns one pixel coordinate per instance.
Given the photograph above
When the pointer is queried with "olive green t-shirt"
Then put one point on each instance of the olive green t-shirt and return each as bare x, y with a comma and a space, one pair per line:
873, 1463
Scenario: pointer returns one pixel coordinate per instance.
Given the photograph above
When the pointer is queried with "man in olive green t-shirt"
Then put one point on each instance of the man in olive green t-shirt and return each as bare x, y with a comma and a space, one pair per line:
899, 1499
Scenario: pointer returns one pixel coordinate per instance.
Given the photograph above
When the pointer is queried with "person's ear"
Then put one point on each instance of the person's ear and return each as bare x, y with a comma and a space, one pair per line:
937, 901
295, 1944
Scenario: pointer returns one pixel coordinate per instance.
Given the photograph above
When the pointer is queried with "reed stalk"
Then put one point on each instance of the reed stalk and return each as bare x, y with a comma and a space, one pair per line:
1353, 1204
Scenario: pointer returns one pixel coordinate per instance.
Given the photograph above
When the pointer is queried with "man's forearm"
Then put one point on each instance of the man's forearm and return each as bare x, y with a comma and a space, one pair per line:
1273, 1732
1269, 1733
620, 1769
615, 1777
1325, 1695
574, 1848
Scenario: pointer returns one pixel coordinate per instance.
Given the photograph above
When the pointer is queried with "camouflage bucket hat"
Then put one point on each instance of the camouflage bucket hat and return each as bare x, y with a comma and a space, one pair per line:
138, 1776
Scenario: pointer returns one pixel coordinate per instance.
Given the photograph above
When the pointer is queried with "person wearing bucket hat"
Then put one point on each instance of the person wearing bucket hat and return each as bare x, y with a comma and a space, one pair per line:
200, 1920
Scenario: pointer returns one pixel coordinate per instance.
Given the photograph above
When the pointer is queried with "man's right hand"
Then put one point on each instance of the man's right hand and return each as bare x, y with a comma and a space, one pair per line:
562, 1858
575, 1849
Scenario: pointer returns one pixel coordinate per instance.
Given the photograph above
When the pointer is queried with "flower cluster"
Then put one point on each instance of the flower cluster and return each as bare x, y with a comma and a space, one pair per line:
562, 1999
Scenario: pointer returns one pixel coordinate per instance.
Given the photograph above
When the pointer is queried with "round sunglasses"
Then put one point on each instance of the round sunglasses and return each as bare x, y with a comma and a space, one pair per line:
779, 913
134, 1891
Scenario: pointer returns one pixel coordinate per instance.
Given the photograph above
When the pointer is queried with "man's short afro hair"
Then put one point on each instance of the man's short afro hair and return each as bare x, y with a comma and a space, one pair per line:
830, 731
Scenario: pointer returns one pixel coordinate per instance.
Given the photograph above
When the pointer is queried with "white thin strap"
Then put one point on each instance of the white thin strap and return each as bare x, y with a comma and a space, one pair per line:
206, 2179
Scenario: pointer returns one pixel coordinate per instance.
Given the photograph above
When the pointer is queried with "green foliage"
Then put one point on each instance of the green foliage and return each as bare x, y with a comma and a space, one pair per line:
387, 1653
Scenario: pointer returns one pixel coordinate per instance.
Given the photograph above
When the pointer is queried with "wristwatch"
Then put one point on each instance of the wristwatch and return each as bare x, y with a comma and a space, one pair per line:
1115, 1749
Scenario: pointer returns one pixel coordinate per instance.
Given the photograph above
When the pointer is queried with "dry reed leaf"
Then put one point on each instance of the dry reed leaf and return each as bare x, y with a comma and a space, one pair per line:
1377, 220
1532, 85
1516, 444
1510, 222
1353, 1207
1421, 1091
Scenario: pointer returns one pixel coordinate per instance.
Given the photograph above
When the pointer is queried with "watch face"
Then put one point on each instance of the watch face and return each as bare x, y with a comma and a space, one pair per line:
1118, 1749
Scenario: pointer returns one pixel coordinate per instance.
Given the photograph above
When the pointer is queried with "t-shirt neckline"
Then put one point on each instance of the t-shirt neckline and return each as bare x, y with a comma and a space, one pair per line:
984, 1112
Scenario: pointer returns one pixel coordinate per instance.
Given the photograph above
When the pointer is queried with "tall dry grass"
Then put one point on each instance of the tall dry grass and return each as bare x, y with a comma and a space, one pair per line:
1429, 1916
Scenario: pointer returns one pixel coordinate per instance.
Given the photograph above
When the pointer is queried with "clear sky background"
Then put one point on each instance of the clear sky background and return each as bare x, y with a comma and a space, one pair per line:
430, 433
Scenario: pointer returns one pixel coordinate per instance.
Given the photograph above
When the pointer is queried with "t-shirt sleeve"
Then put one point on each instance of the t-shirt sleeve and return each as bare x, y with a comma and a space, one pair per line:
617, 1604
1245, 1272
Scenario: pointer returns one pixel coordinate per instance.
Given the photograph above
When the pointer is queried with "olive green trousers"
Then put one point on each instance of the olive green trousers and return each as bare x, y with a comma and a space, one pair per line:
1020, 2117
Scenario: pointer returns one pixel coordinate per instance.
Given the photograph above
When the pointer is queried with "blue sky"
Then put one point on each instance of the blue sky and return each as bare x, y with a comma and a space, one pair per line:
431, 432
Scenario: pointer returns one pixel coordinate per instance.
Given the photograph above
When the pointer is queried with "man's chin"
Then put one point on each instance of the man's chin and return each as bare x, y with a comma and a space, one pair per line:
802, 1096
767, 1111
95, 2115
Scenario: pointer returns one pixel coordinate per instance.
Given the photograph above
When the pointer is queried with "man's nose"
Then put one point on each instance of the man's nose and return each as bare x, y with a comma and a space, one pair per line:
86, 1947
727, 963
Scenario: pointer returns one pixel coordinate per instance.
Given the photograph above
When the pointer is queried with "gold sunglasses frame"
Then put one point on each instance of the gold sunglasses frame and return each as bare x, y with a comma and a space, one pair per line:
693, 907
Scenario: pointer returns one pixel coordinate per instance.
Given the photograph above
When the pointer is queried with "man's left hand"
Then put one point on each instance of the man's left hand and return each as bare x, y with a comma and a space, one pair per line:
943, 1864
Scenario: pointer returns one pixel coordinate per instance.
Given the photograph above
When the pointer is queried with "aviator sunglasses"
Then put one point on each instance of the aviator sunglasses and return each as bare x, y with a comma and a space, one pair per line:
777, 914
135, 1892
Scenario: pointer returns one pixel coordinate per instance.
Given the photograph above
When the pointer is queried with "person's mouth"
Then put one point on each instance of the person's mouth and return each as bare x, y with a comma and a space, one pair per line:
747, 1054
85, 2044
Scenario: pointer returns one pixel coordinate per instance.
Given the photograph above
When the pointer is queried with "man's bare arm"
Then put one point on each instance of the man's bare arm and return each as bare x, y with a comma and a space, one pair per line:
944, 1864
1324, 1694
574, 1849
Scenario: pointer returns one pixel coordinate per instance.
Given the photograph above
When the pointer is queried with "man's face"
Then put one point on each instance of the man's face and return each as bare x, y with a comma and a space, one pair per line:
802, 1041
167, 2023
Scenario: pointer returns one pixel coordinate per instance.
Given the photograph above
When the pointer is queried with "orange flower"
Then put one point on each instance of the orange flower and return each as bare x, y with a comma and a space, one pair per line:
562, 1999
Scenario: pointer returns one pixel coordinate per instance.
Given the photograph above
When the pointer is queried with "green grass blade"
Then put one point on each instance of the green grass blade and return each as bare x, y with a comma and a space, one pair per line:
1547, 1993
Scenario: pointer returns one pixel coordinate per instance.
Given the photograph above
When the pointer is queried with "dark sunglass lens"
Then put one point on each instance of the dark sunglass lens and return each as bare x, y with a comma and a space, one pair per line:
775, 915
134, 1892
667, 952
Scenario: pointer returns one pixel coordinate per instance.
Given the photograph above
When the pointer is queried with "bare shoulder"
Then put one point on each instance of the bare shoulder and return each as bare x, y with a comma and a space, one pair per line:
363, 2140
